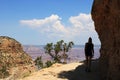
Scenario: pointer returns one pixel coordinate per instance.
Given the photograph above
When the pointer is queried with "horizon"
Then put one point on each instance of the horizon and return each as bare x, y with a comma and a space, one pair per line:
73, 45
38, 22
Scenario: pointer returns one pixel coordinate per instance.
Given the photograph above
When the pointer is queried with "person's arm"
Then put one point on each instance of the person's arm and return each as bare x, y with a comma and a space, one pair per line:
85, 47
93, 50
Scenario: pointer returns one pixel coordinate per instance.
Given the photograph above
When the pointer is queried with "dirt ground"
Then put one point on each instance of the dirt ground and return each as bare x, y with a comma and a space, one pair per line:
71, 71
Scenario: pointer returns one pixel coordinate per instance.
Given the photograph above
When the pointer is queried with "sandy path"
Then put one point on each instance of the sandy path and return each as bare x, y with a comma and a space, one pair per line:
72, 71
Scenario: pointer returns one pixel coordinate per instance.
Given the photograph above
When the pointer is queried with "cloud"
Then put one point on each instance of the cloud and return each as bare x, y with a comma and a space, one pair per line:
82, 21
48, 24
52, 26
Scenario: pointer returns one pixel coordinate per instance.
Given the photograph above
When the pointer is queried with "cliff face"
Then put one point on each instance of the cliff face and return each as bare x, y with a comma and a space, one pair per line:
106, 15
14, 62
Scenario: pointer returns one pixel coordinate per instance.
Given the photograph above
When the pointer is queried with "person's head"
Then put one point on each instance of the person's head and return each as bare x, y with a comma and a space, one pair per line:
90, 40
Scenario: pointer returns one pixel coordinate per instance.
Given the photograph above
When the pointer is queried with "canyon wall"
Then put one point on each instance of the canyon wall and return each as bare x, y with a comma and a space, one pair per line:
106, 17
14, 62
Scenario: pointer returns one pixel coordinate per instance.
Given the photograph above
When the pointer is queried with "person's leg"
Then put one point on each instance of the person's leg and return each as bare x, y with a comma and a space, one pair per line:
89, 63
86, 64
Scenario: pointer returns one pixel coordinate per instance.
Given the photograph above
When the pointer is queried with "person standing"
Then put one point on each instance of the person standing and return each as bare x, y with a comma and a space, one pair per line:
89, 53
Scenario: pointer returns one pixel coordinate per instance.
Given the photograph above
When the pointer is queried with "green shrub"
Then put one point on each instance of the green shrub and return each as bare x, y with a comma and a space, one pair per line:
49, 63
38, 62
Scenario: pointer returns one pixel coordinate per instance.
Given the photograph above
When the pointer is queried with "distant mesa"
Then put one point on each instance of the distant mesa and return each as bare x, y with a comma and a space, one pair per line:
14, 62
31, 48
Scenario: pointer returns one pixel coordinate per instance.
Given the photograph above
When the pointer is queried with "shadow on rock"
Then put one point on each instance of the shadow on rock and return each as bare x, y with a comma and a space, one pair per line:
80, 74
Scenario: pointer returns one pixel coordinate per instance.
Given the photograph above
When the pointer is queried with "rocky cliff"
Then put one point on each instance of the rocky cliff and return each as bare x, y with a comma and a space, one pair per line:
14, 62
106, 16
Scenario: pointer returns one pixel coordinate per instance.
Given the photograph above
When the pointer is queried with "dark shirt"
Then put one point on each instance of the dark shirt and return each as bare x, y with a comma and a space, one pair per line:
89, 49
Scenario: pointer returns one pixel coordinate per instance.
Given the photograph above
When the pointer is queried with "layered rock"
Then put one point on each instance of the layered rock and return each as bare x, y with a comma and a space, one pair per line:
106, 15
14, 62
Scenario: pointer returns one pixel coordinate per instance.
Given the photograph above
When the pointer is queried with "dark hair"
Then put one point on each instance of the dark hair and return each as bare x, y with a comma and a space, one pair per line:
90, 40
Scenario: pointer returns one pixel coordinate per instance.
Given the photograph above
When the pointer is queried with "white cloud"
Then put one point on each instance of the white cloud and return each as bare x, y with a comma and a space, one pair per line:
82, 21
53, 27
49, 24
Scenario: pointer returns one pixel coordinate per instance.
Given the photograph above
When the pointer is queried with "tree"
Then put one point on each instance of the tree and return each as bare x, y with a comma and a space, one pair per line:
66, 48
55, 50
48, 49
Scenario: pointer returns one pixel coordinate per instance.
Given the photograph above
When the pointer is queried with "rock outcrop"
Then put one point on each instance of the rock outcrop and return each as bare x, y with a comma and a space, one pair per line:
14, 62
106, 16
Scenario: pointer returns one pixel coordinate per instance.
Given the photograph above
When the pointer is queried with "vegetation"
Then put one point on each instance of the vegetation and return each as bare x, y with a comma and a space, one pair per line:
38, 62
66, 48
58, 51
3, 72
48, 64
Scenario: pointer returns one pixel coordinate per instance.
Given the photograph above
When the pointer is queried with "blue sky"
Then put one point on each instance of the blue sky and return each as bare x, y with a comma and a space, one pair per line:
38, 22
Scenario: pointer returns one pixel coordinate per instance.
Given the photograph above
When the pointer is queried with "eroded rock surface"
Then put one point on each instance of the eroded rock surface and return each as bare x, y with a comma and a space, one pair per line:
106, 15
14, 62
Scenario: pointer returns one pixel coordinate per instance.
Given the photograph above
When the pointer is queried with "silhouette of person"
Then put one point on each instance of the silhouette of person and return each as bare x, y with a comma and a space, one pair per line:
89, 53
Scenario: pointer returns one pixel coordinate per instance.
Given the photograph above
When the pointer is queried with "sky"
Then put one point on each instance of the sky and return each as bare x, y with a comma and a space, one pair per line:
38, 22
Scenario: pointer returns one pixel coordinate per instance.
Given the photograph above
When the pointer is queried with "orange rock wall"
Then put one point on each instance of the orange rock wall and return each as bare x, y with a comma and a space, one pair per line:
106, 16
